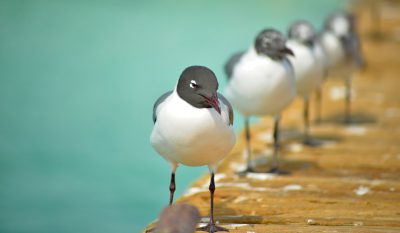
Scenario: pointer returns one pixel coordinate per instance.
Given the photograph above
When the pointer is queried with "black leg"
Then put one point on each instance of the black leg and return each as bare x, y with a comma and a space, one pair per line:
248, 148
306, 121
308, 140
171, 196
275, 160
211, 227
318, 104
348, 100
172, 188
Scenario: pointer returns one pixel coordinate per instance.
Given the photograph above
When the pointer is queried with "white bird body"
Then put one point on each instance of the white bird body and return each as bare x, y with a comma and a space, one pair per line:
260, 85
321, 58
308, 72
338, 64
191, 136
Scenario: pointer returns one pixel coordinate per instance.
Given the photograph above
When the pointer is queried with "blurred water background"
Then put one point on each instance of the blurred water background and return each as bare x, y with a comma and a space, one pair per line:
77, 83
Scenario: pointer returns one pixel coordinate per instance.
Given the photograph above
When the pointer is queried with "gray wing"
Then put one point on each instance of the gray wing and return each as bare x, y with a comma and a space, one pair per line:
235, 58
355, 49
351, 45
290, 65
157, 103
226, 102
318, 40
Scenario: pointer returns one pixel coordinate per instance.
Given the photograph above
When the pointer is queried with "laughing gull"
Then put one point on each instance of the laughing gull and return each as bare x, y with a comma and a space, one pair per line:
341, 43
308, 70
261, 82
193, 127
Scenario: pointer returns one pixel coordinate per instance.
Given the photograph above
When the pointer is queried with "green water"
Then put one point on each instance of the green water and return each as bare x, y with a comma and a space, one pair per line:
77, 84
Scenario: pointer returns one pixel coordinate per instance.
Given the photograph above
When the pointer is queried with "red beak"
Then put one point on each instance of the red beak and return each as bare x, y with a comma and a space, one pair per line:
213, 101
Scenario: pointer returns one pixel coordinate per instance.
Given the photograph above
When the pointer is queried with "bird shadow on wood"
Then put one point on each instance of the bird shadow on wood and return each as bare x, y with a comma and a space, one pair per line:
287, 165
356, 118
381, 36
292, 141
223, 214
241, 219
263, 163
292, 136
298, 165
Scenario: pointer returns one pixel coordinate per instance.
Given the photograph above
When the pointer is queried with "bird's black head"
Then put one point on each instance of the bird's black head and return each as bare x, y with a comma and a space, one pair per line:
272, 43
303, 32
198, 87
340, 23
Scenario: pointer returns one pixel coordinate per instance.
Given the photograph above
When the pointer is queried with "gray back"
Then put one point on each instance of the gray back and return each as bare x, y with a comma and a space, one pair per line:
226, 102
230, 65
158, 102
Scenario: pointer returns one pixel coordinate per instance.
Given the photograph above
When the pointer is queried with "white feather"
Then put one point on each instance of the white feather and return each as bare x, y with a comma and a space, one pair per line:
307, 71
338, 65
321, 58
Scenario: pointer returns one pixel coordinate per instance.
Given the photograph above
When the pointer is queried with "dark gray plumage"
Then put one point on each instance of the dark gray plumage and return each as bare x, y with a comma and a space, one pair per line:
166, 94
351, 45
226, 102
303, 32
158, 102
350, 41
198, 87
268, 42
342, 25
330, 21
272, 43
230, 65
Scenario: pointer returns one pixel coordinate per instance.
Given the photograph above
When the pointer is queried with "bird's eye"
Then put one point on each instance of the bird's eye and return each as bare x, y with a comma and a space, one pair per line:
193, 84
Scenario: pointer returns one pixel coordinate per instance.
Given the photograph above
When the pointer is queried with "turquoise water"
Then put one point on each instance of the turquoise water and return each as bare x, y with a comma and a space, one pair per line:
77, 84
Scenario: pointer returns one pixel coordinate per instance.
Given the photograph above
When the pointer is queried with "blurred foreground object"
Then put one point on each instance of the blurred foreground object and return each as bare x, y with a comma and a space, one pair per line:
178, 218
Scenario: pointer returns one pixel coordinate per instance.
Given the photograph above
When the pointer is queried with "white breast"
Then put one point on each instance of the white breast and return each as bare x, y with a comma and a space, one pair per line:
191, 136
337, 63
307, 71
260, 85
321, 59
